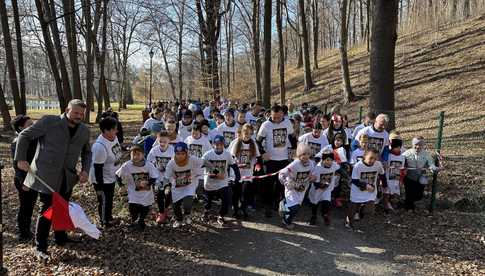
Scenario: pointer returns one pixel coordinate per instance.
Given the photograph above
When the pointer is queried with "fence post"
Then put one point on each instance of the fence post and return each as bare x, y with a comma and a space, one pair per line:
438, 150
3, 270
360, 114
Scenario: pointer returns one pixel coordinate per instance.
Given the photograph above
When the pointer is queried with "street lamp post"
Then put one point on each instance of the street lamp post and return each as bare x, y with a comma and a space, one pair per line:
151, 63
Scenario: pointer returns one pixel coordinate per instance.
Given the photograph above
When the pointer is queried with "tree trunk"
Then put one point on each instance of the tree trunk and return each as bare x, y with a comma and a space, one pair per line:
20, 55
12, 75
281, 60
70, 25
89, 58
102, 87
316, 23
256, 48
466, 9
169, 73
382, 54
306, 53
180, 48
344, 62
4, 110
361, 20
50, 13
51, 55
267, 53
369, 3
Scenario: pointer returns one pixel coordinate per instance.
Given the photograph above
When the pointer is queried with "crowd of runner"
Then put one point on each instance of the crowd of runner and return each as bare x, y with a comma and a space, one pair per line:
281, 159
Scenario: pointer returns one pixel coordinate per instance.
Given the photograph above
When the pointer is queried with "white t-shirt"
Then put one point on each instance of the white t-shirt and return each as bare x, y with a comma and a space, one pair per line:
356, 155
197, 147
184, 130
368, 175
377, 140
228, 132
315, 144
295, 177
207, 112
150, 122
184, 179
160, 158
326, 177
251, 119
276, 138
357, 129
220, 162
393, 173
243, 160
342, 131
134, 177
108, 153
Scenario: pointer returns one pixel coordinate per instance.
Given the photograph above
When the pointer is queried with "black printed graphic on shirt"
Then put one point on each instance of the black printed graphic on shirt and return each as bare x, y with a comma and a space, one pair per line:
301, 180
195, 150
219, 166
325, 180
291, 154
395, 170
161, 163
244, 160
182, 178
141, 181
279, 137
375, 143
314, 148
369, 178
228, 137
116, 150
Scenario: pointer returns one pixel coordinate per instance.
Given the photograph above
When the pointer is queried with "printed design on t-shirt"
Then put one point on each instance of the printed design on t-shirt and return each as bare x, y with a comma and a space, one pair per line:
314, 148
279, 137
141, 181
244, 161
229, 136
394, 170
195, 150
291, 154
301, 180
161, 163
375, 143
369, 178
182, 178
325, 180
218, 166
116, 150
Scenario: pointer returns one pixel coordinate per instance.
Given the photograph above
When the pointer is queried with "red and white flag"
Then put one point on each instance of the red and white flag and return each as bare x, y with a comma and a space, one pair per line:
69, 216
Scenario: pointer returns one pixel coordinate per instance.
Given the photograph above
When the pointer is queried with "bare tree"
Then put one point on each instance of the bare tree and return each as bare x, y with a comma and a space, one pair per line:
347, 89
315, 27
20, 55
4, 110
12, 75
306, 52
267, 53
71, 37
281, 56
384, 37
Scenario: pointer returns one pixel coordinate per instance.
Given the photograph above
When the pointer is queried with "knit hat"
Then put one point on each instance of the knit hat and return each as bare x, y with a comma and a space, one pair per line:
137, 148
219, 139
327, 153
394, 136
157, 127
19, 121
181, 147
418, 141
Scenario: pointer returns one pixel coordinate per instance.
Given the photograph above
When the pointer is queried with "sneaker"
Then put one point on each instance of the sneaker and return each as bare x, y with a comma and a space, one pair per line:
357, 216
188, 220
177, 224
313, 220
42, 255
339, 202
389, 207
349, 225
161, 218
326, 220
141, 225
221, 221
205, 216
289, 226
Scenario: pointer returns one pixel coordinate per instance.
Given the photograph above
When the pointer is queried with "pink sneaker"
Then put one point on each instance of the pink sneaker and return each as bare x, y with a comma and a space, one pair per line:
161, 217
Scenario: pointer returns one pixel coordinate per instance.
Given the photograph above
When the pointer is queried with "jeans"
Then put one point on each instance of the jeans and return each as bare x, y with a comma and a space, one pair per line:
242, 195
414, 192
105, 194
224, 194
324, 206
291, 214
27, 200
272, 190
138, 212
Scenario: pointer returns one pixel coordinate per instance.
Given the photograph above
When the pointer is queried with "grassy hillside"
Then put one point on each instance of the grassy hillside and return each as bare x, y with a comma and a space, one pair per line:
436, 70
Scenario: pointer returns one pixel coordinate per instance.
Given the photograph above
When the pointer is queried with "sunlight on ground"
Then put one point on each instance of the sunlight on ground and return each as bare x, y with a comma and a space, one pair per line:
371, 250
280, 230
248, 269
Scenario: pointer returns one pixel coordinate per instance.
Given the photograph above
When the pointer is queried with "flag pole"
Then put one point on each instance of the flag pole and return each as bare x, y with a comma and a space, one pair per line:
41, 181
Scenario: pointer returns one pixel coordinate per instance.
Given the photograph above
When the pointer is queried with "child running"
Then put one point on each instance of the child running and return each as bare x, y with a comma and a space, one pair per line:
140, 177
395, 171
296, 177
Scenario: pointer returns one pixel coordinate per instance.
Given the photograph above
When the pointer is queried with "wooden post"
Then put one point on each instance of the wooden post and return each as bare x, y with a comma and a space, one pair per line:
438, 150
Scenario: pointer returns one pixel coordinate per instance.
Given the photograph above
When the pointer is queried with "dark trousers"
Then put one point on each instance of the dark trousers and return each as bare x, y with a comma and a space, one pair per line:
105, 194
291, 214
272, 190
27, 200
324, 206
224, 194
163, 199
242, 195
186, 203
44, 225
138, 212
414, 192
